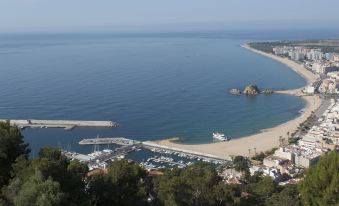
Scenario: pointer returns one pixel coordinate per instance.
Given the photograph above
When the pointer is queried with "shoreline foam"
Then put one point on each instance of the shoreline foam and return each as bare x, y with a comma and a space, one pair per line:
266, 139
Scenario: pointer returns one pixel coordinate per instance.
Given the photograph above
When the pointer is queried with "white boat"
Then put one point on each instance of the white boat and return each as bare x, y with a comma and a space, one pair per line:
109, 151
220, 136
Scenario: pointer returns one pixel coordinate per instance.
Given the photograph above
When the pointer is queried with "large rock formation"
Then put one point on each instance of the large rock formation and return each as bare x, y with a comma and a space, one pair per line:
251, 90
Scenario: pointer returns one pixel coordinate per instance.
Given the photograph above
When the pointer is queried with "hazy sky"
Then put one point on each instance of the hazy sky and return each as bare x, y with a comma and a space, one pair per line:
119, 15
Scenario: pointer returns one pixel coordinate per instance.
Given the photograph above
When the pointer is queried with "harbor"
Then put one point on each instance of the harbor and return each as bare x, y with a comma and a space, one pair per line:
66, 124
147, 154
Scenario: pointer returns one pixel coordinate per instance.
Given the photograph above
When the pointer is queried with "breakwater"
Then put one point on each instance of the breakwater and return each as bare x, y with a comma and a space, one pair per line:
108, 140
66, 124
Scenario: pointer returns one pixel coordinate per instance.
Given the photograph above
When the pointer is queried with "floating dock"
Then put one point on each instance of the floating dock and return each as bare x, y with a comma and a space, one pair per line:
66, 124
108, 140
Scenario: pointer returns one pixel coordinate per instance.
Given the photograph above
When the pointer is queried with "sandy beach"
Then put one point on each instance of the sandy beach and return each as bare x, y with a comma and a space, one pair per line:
267, 138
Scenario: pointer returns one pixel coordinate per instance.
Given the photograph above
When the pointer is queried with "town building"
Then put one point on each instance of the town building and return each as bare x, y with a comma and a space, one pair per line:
328, 56
335, 57
309, 90
296, 55
315, 54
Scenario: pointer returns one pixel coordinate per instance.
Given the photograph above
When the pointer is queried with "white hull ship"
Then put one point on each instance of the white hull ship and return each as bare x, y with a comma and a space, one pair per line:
220, 136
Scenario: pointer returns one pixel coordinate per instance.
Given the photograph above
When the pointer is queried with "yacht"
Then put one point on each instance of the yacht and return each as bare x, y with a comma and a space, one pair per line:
220, 136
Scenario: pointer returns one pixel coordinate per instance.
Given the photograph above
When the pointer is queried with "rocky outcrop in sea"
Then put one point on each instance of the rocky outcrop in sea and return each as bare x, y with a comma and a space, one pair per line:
251, 90
268, 91
235, 91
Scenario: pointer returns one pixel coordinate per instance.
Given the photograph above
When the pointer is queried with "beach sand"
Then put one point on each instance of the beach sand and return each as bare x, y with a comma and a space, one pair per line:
267, 138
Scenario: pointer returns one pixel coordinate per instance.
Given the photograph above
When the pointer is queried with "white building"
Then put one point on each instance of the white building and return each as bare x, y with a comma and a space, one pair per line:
315, 54
329, 86
335, 57
304, 154
296, 55
282, 50
309, 90
333, 75
283, 153
316, 66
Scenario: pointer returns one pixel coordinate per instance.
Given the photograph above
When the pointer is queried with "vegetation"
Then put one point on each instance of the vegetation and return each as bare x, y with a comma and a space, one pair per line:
52, 180
286, 197
266, 46
12, 146
305, 126
241, 164
122, 185
321, 184
198, 184
260, 156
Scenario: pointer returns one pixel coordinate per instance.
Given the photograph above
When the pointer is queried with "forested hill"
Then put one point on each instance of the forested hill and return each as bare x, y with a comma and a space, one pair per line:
52, 180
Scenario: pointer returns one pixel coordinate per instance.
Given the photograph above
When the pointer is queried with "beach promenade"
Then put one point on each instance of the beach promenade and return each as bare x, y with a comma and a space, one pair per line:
267, 138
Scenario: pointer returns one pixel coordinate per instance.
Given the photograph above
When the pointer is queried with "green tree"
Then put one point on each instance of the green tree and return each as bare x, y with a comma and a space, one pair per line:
265, 187
288, 196
52, 164
75, 185
261, 190
69, 174
123, 185
172, 189
224, 194
11, 147
197, 184
320, 186
240, 163
101, 190
128, 181
39, 191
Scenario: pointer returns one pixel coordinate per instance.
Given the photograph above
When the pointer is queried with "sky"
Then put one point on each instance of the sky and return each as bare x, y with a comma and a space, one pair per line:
148, 15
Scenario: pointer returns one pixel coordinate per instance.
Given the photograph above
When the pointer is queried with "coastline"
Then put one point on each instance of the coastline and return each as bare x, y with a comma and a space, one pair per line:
267, 138
299, 69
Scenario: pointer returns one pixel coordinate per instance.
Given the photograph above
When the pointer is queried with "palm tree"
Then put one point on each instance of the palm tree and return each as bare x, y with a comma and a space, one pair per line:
255, 151
280, 141
249, 152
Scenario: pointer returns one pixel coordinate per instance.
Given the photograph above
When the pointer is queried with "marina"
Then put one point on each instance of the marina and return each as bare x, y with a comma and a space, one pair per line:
100, 158
162, 162
167, 149
66, 124
155, 156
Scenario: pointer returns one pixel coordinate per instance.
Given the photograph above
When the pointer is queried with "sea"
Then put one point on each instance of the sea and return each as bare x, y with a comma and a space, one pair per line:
155, 85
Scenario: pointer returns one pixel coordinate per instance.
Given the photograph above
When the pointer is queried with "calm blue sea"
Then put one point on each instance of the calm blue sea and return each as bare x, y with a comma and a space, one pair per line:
156, 86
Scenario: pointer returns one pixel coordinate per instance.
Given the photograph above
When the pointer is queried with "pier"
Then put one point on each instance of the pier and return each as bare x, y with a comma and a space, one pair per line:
150, 145
66, 124
108, 140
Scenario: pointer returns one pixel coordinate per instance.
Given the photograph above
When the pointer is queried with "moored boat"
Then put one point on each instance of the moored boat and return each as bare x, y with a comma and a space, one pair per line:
220, 136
